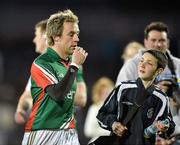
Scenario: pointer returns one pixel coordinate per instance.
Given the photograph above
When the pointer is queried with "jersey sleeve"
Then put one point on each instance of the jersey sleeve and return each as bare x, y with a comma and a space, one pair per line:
28, 85
108, 112
42, 75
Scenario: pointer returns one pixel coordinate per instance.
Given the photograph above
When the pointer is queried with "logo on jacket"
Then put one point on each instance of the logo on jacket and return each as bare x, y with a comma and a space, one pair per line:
60, 75
70, 94
127, 103
150, 113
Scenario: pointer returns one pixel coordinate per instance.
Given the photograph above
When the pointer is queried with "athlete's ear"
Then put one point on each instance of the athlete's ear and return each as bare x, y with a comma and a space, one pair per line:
56, 38
158, 71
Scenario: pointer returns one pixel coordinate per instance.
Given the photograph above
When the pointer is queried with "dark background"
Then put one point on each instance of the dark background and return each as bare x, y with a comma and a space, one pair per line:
106, 27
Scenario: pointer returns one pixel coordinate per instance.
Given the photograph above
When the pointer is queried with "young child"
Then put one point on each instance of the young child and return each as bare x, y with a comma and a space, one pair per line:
152, 111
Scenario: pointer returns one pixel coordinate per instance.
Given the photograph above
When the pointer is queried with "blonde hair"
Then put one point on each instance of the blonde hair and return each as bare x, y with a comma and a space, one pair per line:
42, 25
100, 84
134, 47
55, 24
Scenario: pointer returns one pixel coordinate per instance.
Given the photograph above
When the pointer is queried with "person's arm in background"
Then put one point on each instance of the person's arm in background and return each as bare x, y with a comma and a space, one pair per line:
91, 126
24, 105
81, 94
81, 91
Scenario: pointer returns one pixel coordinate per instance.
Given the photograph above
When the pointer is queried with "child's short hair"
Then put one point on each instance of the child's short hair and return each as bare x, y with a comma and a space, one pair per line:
160, 56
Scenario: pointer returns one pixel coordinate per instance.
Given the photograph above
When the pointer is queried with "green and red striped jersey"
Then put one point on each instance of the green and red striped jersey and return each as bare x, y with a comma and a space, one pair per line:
48, 69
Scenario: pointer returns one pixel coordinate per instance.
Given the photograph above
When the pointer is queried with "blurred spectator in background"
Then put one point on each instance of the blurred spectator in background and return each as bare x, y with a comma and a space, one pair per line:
25, 101
7, 125
7, 95
101, 89
1, 67
131, 49
156, 37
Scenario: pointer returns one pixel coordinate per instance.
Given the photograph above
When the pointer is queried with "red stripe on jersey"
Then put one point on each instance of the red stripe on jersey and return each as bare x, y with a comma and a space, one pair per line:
33, 112
65, 65
41, 79
72, 124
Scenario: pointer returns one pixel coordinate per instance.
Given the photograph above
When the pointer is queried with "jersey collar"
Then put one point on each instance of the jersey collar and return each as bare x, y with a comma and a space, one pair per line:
56, 57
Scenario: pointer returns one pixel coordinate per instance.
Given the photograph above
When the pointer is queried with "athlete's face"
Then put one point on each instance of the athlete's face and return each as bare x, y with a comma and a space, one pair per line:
157, 40
69, 38
39, 41
147, 67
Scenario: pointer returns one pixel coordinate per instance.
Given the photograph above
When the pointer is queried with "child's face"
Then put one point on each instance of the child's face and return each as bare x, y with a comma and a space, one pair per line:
147, 67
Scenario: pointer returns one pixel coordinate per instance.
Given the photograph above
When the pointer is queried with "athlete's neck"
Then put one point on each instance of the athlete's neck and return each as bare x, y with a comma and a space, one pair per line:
61, 53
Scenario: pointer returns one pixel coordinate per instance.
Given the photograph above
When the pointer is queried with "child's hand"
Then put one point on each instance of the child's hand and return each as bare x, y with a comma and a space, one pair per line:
118, 128
161, 127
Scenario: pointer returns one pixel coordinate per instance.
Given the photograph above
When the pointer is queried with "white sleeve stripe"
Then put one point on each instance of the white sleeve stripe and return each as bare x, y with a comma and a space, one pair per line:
48, 74
122, 87
101, 124
110, 98
167, 98
28, 85
164, 101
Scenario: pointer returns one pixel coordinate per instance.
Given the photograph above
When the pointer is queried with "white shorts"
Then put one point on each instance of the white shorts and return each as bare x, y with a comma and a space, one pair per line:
49, 137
